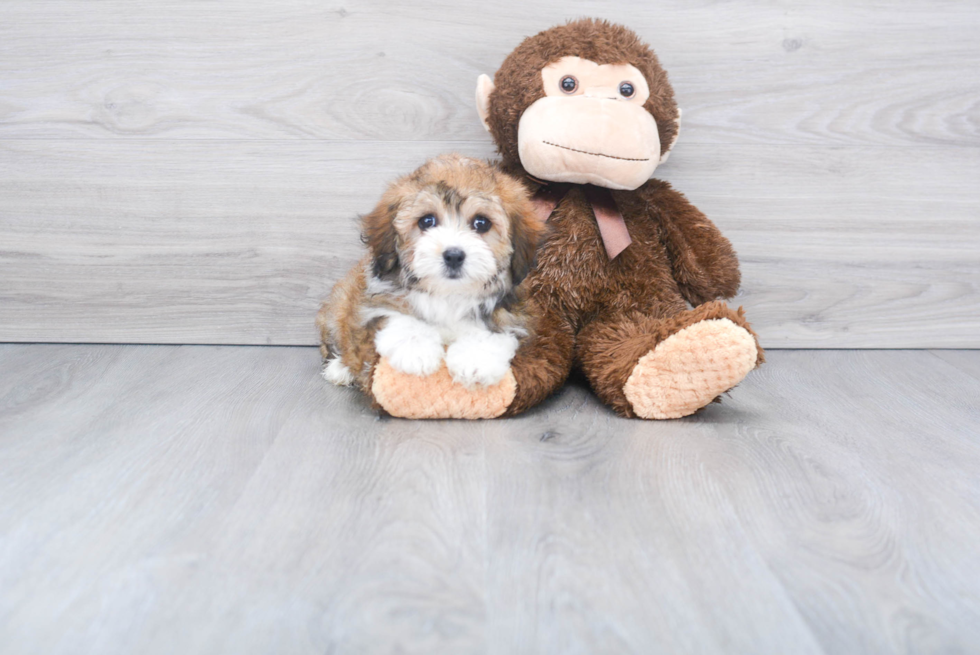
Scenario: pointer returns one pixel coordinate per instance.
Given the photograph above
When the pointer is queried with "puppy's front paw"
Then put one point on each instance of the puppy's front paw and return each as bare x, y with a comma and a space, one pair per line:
481, 358
410, 345
421, 359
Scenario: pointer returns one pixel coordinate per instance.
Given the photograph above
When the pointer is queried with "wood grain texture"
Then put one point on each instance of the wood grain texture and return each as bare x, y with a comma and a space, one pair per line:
816, 73
195, 499
189, 172
969, 363
232, 242
162, 484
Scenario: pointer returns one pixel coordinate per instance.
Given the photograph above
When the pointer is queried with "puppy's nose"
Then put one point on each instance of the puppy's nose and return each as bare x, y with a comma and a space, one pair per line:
454, 258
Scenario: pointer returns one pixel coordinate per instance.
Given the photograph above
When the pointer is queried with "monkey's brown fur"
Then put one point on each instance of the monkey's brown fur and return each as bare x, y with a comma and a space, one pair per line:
604, 315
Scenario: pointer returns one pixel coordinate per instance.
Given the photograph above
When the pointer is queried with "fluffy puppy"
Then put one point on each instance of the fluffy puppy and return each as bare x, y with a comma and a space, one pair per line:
448, 245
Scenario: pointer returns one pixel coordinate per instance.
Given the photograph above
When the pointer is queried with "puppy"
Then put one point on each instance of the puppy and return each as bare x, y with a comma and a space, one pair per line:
448, 245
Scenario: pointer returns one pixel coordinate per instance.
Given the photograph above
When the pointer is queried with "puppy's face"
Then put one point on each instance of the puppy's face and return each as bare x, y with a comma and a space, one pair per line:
455, 226
452, 241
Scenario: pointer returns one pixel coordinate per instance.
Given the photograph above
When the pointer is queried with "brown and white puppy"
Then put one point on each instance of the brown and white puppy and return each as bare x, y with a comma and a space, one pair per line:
448, 245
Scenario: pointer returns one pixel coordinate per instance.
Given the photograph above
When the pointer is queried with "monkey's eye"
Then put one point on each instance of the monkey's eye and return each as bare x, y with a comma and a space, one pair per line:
427, 221
626, 90
568, 84
481, 224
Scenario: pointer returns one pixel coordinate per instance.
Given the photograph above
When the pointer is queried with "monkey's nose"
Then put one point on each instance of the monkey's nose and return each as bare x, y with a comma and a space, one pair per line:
454, 258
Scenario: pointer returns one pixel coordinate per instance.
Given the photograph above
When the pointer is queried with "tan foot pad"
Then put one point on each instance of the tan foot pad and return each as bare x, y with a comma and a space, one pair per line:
437, 396
688, 370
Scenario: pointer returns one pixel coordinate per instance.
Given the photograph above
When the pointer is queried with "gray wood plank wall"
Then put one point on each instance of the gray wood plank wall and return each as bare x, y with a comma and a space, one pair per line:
189, 172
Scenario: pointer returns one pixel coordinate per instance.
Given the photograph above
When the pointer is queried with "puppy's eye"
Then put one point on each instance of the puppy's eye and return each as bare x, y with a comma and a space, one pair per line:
568, 84
428, 221
626, 89
481, 224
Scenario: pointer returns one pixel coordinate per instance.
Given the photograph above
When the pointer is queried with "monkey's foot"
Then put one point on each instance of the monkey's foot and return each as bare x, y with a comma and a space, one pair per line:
437, 395
690, 368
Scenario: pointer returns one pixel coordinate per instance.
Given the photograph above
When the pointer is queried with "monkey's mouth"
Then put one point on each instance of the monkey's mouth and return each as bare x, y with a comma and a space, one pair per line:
594, 154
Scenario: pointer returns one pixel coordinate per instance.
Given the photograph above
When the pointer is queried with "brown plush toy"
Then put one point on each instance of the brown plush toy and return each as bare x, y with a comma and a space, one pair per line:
627, 283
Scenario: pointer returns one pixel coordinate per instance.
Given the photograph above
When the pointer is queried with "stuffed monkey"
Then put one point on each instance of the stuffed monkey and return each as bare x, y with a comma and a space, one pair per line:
627, 283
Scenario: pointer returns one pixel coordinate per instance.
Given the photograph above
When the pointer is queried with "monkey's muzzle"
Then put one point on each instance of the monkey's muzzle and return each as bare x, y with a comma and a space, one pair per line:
588, 140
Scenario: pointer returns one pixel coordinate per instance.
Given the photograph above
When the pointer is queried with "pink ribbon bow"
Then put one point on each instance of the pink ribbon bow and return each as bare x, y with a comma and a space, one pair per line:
612, 227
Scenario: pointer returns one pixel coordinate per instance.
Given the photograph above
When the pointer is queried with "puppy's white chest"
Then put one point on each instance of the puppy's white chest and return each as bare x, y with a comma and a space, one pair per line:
452, 316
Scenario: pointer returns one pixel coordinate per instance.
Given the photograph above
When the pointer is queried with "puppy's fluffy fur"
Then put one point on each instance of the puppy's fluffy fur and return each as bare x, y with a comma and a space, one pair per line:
448, 245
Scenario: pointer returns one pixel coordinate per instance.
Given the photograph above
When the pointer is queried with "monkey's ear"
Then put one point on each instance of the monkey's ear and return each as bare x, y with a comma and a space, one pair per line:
677, 132
381, 238
484, 87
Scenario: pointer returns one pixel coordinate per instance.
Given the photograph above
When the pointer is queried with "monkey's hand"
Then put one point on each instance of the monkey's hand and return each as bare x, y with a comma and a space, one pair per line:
438, 395
702, 260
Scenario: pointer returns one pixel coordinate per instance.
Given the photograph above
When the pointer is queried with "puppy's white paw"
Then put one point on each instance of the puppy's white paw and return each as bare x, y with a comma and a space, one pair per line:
481, 358
410, 345
335, 371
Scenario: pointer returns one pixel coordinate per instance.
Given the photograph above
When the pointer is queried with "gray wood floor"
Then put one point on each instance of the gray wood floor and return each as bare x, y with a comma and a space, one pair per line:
201, 499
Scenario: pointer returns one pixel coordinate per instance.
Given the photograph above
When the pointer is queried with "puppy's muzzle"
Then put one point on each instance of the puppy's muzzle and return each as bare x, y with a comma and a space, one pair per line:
454, 258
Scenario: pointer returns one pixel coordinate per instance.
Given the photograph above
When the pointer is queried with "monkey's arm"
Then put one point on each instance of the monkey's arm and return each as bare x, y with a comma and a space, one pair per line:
702, 260
543, 361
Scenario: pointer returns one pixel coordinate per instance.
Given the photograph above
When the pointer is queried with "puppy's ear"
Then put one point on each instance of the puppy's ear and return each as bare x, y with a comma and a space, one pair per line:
380, 237
526, 231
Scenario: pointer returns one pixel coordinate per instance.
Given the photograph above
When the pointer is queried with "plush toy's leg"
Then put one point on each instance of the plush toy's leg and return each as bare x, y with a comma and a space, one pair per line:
669, 367
437, 395
543, 361
539, 367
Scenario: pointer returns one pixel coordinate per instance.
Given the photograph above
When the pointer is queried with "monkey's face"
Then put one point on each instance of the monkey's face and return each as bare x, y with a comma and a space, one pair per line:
583, 102
591, 126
